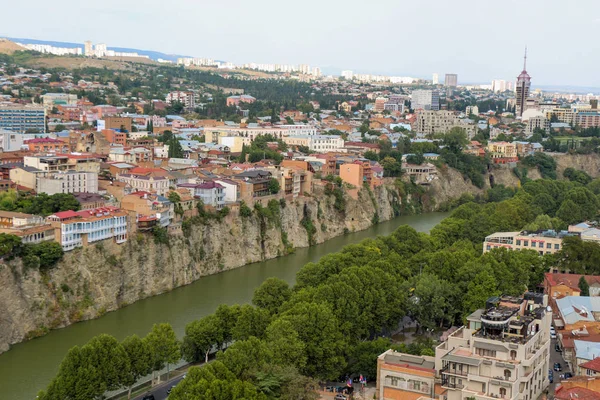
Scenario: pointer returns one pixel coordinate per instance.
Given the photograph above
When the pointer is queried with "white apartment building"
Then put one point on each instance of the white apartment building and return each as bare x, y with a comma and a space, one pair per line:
348, 75
81, 228
67, 182
185, 98
10, 141
503, 351
318, 143
430, 122
300, 129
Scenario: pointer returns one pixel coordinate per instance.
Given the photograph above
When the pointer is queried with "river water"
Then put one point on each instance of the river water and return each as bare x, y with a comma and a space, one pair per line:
29, 367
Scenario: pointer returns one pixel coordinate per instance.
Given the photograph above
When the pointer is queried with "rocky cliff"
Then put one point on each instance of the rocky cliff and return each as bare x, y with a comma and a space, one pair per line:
91, 281
100, 278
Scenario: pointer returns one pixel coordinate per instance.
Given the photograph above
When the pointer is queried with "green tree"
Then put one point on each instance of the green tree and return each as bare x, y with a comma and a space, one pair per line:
274, 186
139, 359
245, 357
391, 167
285, 344
201, 336
163, 346
9, 244
252, 321
583, 286
371, 155
479, 290
175, 149
271, 294
455, 139
363, 357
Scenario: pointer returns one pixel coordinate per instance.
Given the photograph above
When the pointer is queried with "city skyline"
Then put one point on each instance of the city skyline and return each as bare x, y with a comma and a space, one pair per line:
492, 52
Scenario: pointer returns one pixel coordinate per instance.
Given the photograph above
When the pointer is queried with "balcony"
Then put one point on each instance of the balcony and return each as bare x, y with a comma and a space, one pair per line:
453, 371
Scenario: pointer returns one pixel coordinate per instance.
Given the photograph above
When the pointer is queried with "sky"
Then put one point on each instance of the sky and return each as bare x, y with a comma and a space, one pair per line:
478, 40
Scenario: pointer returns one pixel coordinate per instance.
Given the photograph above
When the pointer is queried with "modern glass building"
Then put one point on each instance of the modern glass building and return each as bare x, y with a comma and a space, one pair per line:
23, 118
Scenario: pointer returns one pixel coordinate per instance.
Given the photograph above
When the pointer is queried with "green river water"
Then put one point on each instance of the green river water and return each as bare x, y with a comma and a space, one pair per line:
28, 367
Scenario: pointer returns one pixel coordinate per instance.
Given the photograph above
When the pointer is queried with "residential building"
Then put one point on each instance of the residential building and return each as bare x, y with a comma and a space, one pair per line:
425, 100
185, 98
587, 119
231, 190
47, 145
430, 122
557, 285
88, 48
89, 201
523, 87
254, 184
211, 193
25, 176
237, 100
380, 104
133, 155
10, 141
435, 79
422, 174
451, 80
347, 74
405, 377
544, 242
9, 219
358, 173
472, 110
502, 152
526, 148
116, 123
22, 118
47, 163
67, 182
51, 100
32, 234
149, 209
80, 228
503, 351
153, 184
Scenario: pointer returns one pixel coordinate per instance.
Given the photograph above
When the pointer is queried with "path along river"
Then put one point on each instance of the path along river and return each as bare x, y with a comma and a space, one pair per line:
29, 367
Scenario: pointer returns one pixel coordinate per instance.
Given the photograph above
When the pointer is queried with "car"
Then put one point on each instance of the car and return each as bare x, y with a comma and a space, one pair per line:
551, 376
568, 375
552, 329
557, 348
340, 396
557, 367
149, 397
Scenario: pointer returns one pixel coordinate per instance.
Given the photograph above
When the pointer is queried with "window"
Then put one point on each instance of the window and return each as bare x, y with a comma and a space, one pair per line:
518, 242
548, 245
532, 244
507, 374
526, 243
513, 354
502, 392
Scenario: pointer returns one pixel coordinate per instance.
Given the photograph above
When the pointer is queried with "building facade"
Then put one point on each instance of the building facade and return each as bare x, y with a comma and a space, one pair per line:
23, 118
451, 80
522, 88
425, 100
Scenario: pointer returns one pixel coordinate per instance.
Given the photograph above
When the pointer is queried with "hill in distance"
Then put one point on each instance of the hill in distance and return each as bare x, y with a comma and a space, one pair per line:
8, 47
154, 55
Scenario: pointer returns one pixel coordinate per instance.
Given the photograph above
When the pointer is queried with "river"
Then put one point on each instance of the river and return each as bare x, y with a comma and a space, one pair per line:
28, 367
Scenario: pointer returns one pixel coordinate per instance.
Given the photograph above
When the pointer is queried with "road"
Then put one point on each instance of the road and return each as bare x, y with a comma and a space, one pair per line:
160, 392
555, 357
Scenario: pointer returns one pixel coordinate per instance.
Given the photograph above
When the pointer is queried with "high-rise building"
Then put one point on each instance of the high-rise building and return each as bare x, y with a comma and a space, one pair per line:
23, 118
425, 100
499, 85
347, 75
523, 86
451, 80
435, 79
100, 50
88, 49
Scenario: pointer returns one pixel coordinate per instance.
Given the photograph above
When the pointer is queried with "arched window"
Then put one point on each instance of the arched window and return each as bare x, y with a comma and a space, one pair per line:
502, 392
507, 374
513, 354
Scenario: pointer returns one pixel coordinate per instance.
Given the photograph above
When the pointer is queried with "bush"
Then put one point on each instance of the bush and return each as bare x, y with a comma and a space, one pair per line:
245, 211
161, 235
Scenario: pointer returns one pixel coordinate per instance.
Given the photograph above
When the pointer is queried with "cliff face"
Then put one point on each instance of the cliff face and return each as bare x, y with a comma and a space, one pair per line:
104, 277
90, 282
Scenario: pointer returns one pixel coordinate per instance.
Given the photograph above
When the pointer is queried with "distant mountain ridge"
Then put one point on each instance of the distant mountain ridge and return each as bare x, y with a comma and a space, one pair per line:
154, 55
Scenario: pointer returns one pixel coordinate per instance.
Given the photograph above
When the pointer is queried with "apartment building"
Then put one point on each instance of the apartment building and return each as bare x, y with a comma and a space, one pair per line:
405, 377
231, 189
211, 193
67, 182
317, 143
503, 351
50, 100
254, 184
116, 123
149, 207
502, 152
430, 122
10, 141
185, 98
153, 184
80, 228
557, 286
544, 242
422, 174
425, 100
47, 145
22, 118
587, 119
47, 163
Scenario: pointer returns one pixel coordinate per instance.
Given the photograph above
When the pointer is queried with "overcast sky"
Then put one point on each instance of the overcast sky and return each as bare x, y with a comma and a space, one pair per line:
479, 40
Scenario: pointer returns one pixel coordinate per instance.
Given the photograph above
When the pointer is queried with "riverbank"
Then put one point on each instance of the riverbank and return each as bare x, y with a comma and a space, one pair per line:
29, 366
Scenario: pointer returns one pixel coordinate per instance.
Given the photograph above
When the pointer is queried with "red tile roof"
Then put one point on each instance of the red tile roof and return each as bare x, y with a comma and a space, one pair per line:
578, 393
594, 364
66, 214
570, 280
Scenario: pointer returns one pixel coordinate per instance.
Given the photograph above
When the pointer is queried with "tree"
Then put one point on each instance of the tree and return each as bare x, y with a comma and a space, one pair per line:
371, 155
139, 359
479, 290
284, 342
200, 338
274, 186
391, 167
271, 294
455, 139
46, 253
175, 148
174, 197
245, 356
584, 287
252, 321
363, 357
9, 244
163, 346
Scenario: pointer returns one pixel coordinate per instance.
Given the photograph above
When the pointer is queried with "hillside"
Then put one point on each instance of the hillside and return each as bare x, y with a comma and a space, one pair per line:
8, 47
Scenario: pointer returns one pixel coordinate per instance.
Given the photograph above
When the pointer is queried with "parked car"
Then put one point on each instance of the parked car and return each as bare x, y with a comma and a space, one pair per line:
557, 367
568, 375
552, 333
557, 348
340, 396
551, 376
149, 397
